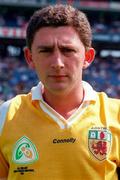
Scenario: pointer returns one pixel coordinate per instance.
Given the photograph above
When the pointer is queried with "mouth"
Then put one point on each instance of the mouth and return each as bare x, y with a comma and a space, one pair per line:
58, 77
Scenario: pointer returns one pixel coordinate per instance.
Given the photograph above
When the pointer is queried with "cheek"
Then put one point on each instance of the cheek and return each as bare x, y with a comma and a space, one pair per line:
38, 62
76, 69
41, 69
76, 64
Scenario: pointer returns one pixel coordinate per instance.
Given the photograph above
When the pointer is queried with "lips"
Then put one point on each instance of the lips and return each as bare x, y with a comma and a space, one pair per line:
58, 77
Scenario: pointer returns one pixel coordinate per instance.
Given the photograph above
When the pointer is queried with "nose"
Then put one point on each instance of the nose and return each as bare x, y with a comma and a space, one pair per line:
57, 60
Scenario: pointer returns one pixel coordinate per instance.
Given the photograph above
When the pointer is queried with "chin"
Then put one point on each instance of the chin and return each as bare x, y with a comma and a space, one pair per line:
58, 90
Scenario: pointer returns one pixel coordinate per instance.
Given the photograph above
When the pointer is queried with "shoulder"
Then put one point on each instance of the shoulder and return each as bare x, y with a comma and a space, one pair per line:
106, 99
10, 106
109, 104
3, 112
16, 102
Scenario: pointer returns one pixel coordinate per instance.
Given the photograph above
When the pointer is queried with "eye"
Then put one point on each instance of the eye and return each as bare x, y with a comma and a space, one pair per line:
67, 50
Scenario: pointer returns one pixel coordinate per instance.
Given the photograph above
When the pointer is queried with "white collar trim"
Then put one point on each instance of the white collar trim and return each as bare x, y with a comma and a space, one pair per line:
90, 94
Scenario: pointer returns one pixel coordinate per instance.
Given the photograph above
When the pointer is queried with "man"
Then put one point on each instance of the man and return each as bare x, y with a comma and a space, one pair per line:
62, 129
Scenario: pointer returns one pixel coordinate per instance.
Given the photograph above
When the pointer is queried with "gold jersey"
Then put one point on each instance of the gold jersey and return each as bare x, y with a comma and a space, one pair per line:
38, 143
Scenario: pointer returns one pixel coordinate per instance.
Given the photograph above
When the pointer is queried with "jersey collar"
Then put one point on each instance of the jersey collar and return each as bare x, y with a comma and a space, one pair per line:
90, 94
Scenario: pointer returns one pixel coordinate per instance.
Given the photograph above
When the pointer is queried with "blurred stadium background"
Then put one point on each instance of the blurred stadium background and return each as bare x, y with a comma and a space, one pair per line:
104, 16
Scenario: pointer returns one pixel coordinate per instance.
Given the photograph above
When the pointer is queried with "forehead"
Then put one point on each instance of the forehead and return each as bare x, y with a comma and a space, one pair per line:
52, 35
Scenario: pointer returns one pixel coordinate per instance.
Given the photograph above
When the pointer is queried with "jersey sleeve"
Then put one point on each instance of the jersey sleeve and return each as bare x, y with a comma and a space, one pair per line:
3, 112
3, 163
3, 166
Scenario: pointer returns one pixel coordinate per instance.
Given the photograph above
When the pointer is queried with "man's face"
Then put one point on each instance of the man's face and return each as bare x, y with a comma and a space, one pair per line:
58, 56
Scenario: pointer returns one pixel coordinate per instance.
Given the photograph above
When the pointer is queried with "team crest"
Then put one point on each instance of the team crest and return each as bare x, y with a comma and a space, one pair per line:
24, 151
99, 142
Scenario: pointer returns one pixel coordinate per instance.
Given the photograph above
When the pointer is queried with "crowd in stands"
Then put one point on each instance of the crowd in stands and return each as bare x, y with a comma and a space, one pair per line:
104, 75
17, 78
13, 20
99, 25
113, 27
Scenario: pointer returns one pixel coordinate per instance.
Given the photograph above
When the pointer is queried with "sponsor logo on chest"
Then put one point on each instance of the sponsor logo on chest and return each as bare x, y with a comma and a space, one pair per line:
67, 140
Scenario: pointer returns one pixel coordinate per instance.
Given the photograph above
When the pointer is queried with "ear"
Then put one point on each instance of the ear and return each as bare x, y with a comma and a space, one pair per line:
89, 57
28, 57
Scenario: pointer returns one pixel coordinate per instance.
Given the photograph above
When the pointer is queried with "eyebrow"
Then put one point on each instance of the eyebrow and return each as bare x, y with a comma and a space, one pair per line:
45, 46
53, 46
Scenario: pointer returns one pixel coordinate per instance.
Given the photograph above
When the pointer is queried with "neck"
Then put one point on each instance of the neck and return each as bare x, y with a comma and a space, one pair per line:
65, 104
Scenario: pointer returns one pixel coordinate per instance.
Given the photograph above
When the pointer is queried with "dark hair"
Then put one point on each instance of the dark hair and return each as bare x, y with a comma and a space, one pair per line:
60, 15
